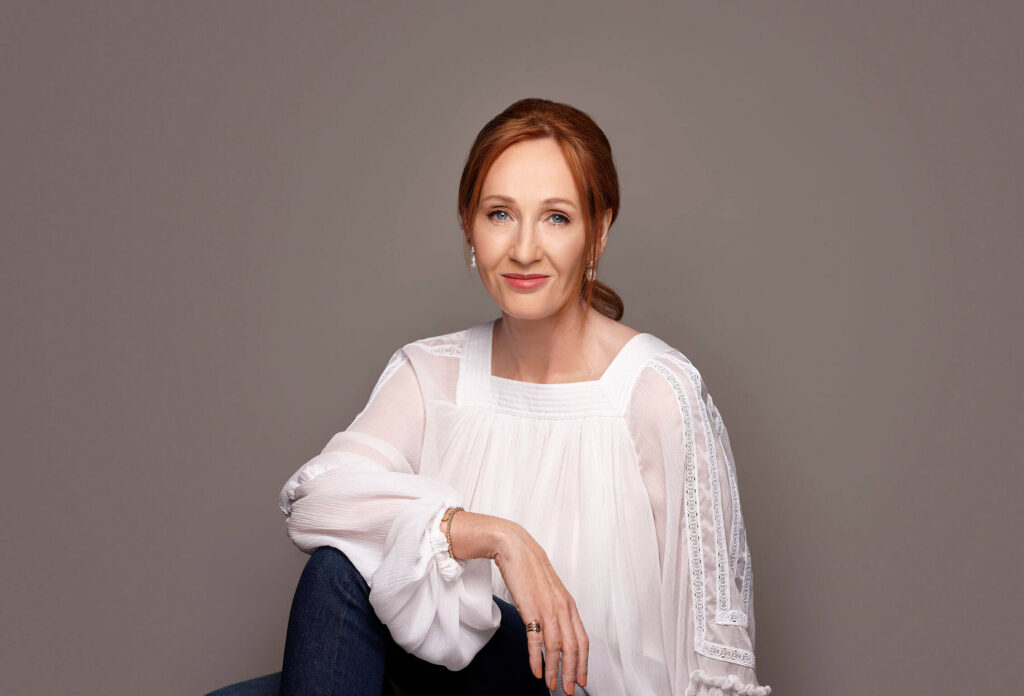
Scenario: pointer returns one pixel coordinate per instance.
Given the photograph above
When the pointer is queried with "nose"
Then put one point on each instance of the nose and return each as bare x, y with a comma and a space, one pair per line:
524, 246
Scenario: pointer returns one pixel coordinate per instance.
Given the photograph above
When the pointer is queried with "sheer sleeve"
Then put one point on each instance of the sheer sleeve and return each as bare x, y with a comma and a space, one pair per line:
363, 495
686, 462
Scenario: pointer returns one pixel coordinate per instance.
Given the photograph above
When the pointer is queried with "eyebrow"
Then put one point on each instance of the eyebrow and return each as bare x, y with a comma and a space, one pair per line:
547, 201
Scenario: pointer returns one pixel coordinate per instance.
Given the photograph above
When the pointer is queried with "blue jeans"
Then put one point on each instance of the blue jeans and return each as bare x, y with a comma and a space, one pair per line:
335, 644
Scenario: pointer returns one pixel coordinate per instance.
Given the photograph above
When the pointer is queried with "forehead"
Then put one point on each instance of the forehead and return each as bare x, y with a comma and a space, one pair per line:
532, 169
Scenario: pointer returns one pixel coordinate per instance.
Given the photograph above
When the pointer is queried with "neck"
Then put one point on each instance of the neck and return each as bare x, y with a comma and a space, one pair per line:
536, 350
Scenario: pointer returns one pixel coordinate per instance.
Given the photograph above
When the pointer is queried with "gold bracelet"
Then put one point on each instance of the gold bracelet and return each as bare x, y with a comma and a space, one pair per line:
448, 515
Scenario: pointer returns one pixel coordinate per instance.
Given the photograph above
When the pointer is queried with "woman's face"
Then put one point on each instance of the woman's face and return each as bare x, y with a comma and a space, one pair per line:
529, 222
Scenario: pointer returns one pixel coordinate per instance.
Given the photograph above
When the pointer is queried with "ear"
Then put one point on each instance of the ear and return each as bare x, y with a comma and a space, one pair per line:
603, 237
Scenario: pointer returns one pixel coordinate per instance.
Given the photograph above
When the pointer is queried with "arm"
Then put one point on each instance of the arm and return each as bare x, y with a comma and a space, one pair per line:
536, 590
363, 495
706, 581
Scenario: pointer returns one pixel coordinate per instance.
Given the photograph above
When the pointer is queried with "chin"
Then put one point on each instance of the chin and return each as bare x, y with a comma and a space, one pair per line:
525, 306
529, 309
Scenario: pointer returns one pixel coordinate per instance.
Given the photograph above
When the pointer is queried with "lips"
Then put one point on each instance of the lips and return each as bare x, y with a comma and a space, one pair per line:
525, 281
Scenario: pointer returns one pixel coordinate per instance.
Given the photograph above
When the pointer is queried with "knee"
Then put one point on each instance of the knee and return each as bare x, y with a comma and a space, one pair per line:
328, 566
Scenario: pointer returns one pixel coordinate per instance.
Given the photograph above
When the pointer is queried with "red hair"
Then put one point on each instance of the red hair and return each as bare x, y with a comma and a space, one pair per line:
589, 156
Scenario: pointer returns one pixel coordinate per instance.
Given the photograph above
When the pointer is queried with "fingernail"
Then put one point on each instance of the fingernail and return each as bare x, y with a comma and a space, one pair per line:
583, 680
553, 680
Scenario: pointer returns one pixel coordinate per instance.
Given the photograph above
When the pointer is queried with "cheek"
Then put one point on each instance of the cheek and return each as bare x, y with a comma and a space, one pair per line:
480, 246
568, 256
487, 254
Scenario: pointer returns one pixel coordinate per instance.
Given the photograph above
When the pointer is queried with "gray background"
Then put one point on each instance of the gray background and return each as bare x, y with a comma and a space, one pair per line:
220, 219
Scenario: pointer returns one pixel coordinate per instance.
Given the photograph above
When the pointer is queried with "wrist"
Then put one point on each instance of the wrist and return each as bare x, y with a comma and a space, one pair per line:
474, 535
507, 540
446, 526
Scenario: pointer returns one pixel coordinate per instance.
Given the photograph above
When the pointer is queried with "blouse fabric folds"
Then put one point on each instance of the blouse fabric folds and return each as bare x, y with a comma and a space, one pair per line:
628, 482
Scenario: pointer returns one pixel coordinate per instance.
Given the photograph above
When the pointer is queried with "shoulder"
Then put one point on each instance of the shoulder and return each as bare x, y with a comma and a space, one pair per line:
448, 344
439, 350
667, 385
426, 365
412, 353
663, 361
432, 361
671, 403
671, 365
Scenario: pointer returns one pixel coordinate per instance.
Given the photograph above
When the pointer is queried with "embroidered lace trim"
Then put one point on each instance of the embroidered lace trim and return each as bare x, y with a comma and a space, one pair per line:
724, 613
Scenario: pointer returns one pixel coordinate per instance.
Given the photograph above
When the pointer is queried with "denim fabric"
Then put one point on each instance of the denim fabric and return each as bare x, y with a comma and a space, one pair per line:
335, 644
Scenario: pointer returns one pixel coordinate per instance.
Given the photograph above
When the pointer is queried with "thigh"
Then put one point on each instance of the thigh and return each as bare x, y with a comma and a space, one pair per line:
501, 667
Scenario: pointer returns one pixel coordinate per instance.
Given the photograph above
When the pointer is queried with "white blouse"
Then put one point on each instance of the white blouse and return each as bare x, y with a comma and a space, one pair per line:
627, 481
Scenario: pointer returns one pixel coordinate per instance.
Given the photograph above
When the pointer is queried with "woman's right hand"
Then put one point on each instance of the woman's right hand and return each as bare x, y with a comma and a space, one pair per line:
536, 591
539, 594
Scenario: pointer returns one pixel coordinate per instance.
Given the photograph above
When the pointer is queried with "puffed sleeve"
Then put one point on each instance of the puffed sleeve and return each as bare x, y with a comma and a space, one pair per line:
363, 495
688, 469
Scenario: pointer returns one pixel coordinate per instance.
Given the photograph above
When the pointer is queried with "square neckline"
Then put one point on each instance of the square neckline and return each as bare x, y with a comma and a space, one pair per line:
605, 396
488, 350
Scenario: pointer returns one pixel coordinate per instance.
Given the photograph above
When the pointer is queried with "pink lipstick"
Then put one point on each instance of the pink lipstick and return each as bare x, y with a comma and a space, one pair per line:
525, 281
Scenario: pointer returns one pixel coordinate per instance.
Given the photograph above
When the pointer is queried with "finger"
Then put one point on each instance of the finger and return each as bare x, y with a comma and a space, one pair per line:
553, 650
583, 650
576, 644
570, 644
534, 641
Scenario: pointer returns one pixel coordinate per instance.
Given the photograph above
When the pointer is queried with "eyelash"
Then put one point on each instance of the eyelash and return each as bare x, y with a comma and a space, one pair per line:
557, 224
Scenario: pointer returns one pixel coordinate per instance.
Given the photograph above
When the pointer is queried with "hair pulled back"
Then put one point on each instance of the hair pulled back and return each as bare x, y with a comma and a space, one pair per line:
589, 156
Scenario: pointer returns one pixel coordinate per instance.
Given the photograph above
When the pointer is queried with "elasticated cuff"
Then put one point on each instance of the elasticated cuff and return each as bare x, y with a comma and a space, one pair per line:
703, 684
449, 568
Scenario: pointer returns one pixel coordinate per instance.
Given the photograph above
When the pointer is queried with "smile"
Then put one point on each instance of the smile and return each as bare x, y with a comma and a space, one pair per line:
525, 282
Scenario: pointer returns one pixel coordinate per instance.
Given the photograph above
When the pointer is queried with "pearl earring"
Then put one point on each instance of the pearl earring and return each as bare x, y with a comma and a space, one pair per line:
591, 273
472, 256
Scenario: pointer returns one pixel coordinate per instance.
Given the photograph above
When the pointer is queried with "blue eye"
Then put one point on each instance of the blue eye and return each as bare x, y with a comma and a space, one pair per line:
558, 219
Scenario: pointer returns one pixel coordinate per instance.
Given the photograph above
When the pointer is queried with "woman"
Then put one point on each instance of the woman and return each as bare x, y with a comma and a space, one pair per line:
586, 459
